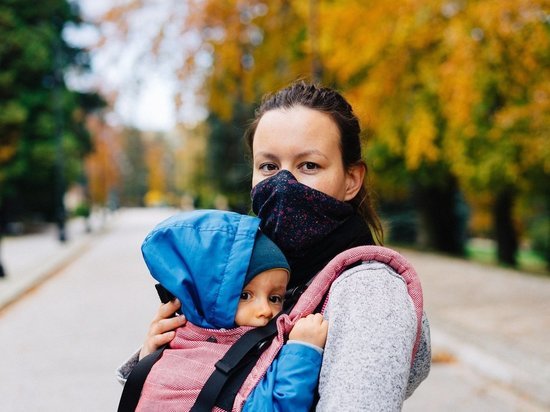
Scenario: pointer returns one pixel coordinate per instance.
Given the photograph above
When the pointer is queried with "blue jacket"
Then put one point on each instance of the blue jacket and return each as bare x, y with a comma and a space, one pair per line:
290, 381
202, 257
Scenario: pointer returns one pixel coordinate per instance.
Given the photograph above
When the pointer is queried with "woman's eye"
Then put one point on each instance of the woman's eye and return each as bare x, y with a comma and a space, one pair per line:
309, 166
276, 299
245, 295
268, 167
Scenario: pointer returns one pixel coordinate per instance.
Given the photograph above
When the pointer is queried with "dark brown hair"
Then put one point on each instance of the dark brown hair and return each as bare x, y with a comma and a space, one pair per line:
331, 102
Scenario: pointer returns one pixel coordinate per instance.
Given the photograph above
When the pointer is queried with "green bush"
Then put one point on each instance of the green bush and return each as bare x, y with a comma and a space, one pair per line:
539, 234
82, 210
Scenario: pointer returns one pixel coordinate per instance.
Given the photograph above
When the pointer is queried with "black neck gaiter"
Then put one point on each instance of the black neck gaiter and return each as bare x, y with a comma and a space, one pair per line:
309, 226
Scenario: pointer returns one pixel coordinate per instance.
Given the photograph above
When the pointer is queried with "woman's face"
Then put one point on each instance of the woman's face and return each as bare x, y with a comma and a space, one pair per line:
305, 142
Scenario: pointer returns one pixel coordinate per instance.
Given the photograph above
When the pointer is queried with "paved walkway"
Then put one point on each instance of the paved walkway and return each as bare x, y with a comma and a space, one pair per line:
29, 260
495, 322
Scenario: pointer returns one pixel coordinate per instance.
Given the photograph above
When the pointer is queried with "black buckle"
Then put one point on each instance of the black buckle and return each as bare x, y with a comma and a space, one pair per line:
223, 367
292, 296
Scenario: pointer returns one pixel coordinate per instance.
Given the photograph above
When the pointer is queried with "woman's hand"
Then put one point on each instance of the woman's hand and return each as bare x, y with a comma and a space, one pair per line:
311, 329
162, 329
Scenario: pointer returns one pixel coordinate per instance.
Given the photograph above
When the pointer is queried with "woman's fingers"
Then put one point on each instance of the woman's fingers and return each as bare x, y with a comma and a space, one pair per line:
161, 326
163, 338
162, 329
167, 310
154, 342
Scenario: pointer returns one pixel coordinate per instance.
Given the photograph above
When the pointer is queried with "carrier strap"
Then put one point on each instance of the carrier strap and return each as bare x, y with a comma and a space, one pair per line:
134, 384
252, 341
132, 388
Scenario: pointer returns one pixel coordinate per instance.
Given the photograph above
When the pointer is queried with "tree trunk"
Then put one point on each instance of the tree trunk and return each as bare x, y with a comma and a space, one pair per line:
2, 271
3, 221
443, 216
505, 233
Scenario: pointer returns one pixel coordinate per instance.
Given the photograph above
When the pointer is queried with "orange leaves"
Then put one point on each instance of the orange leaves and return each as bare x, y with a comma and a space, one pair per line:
459, 83
446, 81
102, 165
155, 158
353, 35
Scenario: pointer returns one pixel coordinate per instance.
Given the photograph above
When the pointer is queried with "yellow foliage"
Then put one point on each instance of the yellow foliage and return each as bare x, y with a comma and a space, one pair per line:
101, 165
155, 198
391, 137
154, 157
421, 139
482, 65
190, 158
481, 220
478, 69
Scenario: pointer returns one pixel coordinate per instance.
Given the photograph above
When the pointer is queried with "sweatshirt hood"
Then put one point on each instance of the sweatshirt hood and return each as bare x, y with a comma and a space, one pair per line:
201, 257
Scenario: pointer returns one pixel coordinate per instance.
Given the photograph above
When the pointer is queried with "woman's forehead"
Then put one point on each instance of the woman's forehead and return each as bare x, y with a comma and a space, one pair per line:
299, 127
297, 115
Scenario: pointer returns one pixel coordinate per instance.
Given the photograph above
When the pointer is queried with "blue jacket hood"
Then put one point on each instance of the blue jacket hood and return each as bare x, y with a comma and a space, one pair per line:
202, 257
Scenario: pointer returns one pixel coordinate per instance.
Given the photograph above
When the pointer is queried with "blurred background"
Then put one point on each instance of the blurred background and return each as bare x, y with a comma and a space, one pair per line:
107, 105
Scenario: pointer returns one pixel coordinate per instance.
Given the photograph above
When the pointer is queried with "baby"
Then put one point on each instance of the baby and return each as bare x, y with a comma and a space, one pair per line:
204, 258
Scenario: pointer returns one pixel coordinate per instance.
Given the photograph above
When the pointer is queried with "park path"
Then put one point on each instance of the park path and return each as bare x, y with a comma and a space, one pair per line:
71, 313
486, 322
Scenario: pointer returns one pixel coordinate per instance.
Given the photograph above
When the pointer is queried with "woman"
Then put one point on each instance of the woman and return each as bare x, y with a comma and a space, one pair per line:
309, 190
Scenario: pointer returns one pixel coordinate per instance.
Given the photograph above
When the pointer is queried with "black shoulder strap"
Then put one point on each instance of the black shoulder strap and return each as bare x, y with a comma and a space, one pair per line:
132, 388
252, 341
134, 384
226, 397
221, 388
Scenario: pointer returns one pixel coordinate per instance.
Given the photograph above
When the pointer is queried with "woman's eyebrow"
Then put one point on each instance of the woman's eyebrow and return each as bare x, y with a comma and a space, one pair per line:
310, 152
266, 155
299, 155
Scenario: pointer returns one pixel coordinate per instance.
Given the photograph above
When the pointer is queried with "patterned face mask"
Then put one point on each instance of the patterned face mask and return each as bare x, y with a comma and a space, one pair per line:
294, 215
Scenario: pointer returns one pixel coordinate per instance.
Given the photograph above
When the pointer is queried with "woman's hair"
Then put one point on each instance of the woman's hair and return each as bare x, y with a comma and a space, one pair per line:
331, 102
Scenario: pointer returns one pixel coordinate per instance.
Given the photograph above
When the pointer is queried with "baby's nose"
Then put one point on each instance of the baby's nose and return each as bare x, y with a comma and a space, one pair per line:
264, 309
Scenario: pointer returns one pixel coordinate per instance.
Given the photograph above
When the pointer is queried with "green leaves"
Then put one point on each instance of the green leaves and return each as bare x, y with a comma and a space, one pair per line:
35, 108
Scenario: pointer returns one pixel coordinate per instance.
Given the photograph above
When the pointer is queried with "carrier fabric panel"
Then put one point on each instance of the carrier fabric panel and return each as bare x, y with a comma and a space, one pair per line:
179, 375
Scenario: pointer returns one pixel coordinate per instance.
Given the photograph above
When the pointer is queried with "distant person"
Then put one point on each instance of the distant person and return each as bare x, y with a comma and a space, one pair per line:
204, 258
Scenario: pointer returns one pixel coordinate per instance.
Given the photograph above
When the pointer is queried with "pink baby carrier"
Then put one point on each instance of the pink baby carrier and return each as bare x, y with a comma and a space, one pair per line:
181, 379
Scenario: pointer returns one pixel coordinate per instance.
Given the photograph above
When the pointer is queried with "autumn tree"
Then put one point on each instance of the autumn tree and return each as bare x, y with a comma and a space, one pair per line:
235, 49
191, 174
242, 40
134, 169
500, 138
453, 92
103, 164
159, 159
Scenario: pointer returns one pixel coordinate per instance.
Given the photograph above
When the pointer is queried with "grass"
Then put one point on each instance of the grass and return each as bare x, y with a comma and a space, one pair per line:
484, 251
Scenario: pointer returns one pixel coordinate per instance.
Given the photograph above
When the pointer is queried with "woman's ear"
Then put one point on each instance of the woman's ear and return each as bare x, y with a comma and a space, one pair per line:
354, 180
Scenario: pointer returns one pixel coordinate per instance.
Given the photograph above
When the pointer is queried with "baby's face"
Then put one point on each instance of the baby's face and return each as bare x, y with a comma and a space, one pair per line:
262, 298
